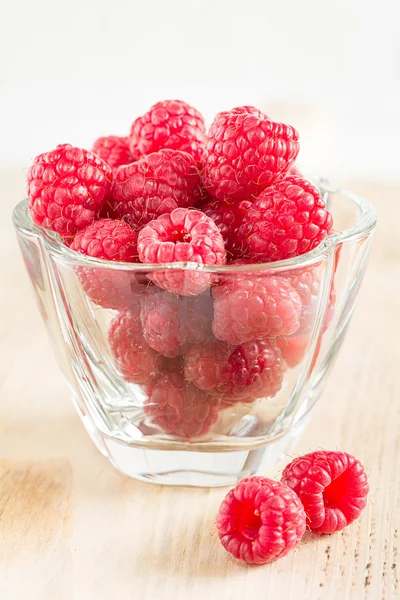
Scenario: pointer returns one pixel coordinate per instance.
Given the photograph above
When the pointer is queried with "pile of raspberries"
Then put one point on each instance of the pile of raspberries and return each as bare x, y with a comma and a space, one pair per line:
200, 338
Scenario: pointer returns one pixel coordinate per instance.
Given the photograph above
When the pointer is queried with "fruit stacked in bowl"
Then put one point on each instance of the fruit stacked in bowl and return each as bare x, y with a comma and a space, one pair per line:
201, 330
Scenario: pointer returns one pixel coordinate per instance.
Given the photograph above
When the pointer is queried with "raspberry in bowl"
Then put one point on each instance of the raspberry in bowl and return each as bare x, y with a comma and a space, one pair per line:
196, 289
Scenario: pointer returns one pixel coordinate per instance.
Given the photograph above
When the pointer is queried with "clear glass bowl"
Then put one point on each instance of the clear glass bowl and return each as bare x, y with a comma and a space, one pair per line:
187, 409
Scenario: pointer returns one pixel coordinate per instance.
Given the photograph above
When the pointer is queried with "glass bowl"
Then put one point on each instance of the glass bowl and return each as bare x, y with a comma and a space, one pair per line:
159, 395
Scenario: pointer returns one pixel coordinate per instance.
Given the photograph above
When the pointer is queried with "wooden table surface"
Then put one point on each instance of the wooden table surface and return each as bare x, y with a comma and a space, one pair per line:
73, 528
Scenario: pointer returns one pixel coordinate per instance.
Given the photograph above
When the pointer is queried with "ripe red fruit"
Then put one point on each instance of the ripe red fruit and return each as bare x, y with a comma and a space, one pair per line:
67, 188
154, 185
169, 124
286, 220
179, 408
247, 307
236, 373
133, 357
332, 487
182, 236
171, 323
245, 153
111, 240
114, 150
228, 218
260, 520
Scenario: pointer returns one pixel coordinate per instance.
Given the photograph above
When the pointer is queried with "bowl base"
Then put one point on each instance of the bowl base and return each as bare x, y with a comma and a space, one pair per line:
196, 468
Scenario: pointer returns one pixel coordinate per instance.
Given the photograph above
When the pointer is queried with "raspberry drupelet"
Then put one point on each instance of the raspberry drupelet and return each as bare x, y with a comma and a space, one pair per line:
260, 520
67, 188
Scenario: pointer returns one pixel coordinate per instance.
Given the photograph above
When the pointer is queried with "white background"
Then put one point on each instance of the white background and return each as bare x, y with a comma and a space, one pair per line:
75, 70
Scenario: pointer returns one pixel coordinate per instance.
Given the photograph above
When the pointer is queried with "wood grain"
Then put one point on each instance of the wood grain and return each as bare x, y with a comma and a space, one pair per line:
73, 528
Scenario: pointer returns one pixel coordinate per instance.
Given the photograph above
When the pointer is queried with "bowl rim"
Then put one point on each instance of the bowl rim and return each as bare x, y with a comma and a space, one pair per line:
364, 225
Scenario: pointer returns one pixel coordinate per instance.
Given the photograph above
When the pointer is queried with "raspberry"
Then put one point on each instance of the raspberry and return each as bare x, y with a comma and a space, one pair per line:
236, 373
114, 150
245, 153
293, 348
170, 124
172, 323
109, 240
136, 361
332, 487
179, 408
307, 284
260, 520
286, 220
248, 307
182, 236
228, 218
67, 188
155, 185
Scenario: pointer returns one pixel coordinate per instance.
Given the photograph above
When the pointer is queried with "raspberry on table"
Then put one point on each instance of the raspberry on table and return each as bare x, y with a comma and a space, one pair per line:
236, 373
111, 240
245, 153
154, 185
114, 150
228, 217
286, 220
182, 236
248, 307
66, 188
179, 408
260, 520
332, 487
134, 359
169, 124
171, 323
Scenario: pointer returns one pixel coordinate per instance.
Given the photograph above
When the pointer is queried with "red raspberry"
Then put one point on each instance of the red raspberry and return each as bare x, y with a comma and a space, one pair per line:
114, 241
170, 124
228, 218
332, 487
179, 408
249, 307
67, 188
260, 520
182, 236
307, 284
286, 220
236, 373
293, 348
155, 185
245, 153
108, 239
136, 361
172, 323
114, 150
